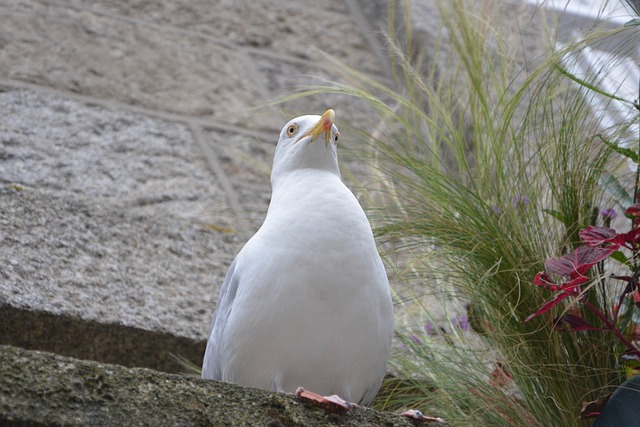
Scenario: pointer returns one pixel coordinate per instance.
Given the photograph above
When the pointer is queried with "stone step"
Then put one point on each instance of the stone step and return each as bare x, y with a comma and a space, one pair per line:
44, 389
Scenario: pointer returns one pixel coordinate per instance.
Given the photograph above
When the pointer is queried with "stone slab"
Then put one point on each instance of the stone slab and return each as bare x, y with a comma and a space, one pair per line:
44, 389
109, 216
103, 56
52, 143
247, 162
96, 261
296, 30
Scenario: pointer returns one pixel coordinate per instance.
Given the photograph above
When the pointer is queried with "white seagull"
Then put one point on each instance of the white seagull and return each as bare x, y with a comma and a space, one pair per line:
306, 302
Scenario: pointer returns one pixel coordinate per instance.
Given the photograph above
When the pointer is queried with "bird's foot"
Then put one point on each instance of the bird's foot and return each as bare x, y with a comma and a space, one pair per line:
332, 403
414, 414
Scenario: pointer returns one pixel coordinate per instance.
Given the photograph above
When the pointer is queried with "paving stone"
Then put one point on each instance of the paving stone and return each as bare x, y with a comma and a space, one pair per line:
108, 215
95, 261
80, 51
48, 142
196, 14
292, 29
43, 389
247, 161
244, 158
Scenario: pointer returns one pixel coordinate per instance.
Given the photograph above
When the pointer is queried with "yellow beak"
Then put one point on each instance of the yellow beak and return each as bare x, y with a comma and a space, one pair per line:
324, 125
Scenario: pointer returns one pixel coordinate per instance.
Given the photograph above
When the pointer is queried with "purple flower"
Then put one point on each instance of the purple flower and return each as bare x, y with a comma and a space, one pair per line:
608, 213
428, 328
607, 216
521, 201
461, 322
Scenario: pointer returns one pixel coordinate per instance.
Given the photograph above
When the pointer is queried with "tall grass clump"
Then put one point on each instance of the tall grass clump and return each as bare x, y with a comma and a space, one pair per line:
486, 169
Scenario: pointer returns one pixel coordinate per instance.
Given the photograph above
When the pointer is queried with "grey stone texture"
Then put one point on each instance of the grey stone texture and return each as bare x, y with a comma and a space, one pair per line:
105, 216
40, 388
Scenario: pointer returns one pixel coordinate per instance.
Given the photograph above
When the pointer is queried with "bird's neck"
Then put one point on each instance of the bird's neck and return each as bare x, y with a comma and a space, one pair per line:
307, 156
299, 179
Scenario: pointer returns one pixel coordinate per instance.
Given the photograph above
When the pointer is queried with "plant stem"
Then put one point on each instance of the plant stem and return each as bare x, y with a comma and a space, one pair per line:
635, 188
617, 308
612, 328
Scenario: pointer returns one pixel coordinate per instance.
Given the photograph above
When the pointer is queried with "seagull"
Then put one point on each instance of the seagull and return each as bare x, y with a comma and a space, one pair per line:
305, 305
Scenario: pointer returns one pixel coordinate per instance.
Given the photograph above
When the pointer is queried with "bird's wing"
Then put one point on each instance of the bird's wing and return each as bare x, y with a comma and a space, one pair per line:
211, 366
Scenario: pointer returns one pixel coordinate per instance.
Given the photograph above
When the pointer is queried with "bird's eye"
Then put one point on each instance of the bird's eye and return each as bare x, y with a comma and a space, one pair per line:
292, 129
335, 138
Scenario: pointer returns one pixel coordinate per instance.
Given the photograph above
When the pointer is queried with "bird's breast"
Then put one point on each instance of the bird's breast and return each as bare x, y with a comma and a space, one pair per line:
314, 308
316, 206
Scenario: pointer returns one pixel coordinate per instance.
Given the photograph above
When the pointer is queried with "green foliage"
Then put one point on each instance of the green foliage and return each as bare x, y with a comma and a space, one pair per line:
486, 170
467, 152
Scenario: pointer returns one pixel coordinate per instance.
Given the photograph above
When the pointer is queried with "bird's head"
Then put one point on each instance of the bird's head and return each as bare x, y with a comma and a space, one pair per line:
307, 142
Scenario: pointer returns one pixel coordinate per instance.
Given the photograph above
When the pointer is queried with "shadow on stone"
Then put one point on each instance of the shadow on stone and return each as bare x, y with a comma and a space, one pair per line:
86, 339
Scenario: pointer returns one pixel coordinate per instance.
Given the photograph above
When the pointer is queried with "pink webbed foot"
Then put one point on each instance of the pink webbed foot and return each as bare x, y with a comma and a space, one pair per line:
414, 414
332, 403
